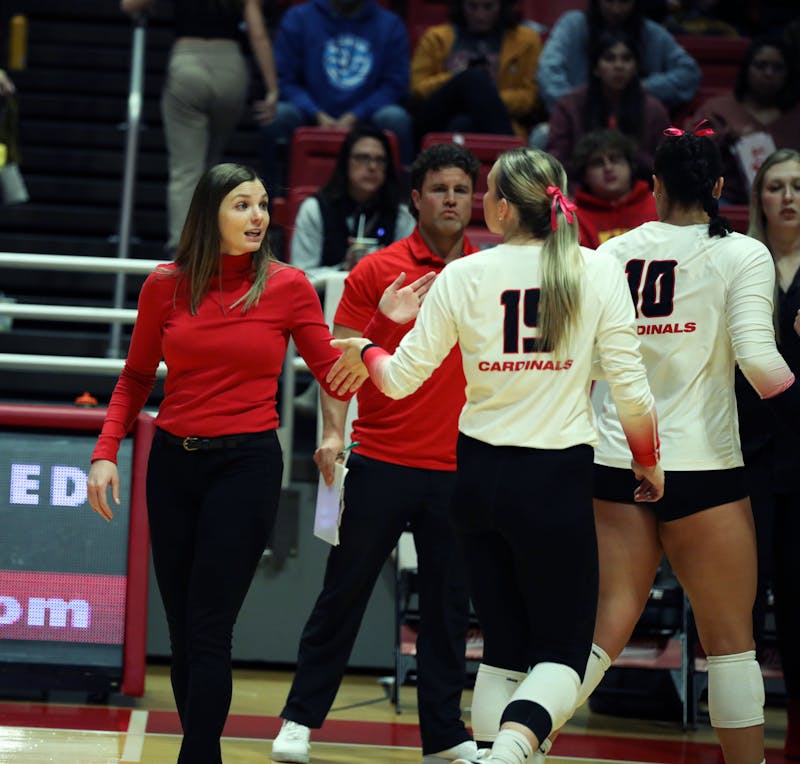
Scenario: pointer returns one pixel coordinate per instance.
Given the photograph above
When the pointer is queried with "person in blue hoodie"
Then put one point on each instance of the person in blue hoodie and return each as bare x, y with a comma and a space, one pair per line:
339, 62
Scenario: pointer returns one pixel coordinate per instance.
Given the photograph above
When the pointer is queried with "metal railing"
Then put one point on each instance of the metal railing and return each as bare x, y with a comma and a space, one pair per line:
117, 317
132, 126
72, 313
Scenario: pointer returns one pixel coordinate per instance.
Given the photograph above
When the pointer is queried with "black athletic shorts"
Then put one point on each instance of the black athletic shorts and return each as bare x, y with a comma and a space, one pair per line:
685, 493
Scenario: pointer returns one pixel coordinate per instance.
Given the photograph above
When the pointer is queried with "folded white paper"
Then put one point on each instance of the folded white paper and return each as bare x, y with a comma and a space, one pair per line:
330, 505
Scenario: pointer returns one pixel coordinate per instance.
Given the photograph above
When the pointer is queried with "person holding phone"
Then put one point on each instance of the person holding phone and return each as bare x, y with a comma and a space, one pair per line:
476, 73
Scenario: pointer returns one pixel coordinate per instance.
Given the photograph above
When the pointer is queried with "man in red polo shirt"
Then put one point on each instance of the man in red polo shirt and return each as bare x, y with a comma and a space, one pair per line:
401, 474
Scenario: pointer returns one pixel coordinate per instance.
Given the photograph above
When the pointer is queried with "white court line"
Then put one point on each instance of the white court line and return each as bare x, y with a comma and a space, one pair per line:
134, 738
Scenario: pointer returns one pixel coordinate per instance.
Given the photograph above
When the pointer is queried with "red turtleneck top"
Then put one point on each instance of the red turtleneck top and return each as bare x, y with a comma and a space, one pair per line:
223, 363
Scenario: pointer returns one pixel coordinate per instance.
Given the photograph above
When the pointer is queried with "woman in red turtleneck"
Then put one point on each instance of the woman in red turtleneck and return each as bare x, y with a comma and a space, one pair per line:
220, 316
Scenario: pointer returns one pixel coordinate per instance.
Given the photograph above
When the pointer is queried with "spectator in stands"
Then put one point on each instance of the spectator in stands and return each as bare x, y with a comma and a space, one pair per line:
357, 211
613, 98
770, 450
219, 316
610, 199
762, 108
206, 88
668, 72
339, 62
477, 73
360, 200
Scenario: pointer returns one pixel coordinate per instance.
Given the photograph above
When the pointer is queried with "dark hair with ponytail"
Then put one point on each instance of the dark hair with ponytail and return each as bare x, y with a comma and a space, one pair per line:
689, 167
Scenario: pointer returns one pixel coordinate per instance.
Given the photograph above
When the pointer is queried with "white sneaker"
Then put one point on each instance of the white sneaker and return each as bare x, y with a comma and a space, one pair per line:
466, 750
540, 753
484, 756
292, 744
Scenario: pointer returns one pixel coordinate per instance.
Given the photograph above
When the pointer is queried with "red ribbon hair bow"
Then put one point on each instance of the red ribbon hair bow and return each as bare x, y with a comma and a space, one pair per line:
702, 129
559, 200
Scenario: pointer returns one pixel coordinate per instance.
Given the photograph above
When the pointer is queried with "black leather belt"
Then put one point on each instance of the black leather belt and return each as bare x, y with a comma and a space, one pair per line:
197, 443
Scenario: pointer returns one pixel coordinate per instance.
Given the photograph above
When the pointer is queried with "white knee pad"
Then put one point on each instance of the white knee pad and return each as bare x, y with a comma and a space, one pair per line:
493, 690
735, 691
596, 668
554, 687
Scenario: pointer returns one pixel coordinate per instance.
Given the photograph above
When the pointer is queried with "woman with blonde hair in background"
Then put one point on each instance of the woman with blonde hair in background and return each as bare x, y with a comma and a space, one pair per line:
771, 451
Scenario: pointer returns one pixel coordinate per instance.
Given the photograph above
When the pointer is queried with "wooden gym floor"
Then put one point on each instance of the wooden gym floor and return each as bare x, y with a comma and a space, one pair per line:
362, 728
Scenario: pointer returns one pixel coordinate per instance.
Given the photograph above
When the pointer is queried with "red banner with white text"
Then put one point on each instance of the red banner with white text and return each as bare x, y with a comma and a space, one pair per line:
62, 607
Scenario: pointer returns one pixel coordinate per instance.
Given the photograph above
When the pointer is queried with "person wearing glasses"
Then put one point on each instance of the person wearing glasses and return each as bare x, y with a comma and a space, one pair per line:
763, 104
356, 211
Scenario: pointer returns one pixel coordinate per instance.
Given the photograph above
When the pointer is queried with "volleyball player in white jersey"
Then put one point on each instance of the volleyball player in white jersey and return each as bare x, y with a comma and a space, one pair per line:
703, 299
527, 316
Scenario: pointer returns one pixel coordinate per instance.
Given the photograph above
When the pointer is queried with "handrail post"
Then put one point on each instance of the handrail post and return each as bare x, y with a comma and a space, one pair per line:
135, 97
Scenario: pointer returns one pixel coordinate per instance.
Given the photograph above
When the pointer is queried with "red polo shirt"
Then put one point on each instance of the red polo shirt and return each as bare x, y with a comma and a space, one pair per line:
420, 430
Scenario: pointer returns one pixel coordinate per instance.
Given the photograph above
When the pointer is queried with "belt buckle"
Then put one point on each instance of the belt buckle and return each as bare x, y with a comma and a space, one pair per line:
191, 443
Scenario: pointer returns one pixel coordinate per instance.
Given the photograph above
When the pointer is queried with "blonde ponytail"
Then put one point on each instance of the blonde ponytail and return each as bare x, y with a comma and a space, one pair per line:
562, 266
532, 181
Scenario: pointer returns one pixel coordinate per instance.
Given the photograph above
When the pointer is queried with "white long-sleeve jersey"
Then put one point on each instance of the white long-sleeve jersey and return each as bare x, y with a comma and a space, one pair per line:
702, 304
516, 395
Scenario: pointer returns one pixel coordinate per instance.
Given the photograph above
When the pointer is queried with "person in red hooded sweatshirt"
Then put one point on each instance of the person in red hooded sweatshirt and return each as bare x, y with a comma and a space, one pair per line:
610, 198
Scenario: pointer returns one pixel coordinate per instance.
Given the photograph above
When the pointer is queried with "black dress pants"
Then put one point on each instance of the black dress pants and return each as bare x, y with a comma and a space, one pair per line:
381, 500
210, 514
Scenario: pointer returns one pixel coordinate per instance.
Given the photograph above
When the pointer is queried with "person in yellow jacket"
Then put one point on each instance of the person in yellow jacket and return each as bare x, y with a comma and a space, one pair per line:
478, 72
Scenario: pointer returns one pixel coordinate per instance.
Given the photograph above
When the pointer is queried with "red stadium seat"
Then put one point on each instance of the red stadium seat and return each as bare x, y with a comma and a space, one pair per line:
425, 13
719, 57
312, 155
284, 213
486, 148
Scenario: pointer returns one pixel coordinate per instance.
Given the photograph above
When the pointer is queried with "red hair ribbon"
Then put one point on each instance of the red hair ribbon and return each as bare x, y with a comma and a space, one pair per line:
702, 129
567, 207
